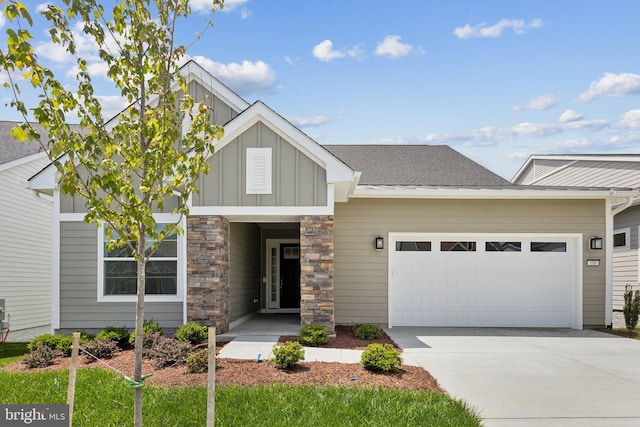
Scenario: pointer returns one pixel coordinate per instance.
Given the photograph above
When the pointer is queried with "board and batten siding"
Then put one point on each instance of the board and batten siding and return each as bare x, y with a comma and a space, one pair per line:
79, 308
625, 261
361, 273
221, 113
25, 252
297, 180
244, 271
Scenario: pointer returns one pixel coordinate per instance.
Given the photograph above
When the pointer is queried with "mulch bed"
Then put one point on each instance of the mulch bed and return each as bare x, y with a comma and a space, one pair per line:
251, 373
346, 339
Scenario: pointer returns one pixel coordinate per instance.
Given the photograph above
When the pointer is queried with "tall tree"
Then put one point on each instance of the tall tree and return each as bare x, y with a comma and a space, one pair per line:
126, 168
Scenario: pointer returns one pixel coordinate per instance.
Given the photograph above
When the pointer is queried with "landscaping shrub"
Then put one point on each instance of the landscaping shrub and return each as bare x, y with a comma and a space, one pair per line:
284, 357
149, 327
55, 342
41, 356
367, 331
101, 348
313, 335
168, 351
631, 308
192, 332
149, 342
381, 357
118, 334
198, 362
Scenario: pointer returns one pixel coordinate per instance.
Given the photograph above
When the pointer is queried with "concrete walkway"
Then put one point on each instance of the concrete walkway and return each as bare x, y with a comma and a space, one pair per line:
532, 377
253, 347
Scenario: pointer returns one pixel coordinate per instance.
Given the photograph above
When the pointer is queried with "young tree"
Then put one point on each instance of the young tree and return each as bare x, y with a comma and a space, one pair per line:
125, 169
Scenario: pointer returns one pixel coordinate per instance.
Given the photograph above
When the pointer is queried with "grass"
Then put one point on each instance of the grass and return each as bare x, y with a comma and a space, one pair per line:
103, 398
12, 351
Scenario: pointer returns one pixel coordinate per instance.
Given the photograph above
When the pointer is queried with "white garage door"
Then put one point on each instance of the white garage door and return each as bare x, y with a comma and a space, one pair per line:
484, 280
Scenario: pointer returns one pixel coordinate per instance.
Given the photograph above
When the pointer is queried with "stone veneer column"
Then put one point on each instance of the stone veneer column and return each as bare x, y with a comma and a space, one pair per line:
208, 271
316, 271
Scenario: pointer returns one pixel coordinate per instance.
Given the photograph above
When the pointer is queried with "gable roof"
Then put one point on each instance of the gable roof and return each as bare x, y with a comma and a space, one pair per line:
11, 149
594, 170
419, 165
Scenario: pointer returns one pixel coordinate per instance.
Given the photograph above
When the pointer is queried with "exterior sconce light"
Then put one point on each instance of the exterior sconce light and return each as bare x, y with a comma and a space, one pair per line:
595, 243
379, 243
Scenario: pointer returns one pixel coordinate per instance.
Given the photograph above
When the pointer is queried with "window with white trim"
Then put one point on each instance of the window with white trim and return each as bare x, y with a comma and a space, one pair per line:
258, 171
119, 269
621, 238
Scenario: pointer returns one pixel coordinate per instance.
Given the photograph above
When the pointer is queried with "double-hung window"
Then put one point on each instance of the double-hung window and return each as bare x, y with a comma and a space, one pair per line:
119, 270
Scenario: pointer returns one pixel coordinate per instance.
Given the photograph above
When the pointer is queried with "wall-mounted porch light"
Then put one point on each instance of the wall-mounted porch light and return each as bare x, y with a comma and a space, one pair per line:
595, 243
379, 242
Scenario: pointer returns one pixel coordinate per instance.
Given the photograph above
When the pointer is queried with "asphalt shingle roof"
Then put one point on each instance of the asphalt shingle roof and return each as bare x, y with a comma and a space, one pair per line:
11, 149
425, 165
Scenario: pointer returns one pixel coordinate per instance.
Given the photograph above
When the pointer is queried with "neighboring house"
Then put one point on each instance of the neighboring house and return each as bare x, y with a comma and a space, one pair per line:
393, 235
599, 170
25, 239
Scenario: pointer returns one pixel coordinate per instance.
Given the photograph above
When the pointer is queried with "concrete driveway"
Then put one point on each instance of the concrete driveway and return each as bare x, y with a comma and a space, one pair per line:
532, 377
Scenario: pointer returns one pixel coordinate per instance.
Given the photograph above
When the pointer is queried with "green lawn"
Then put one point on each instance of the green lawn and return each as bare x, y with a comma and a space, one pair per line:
12, 351
104, 399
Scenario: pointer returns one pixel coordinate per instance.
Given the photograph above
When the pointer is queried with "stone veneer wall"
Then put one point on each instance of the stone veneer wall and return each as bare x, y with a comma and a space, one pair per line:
208, 271
316, 271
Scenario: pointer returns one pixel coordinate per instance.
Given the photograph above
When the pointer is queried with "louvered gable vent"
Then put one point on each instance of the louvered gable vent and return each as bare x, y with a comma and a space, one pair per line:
259, 171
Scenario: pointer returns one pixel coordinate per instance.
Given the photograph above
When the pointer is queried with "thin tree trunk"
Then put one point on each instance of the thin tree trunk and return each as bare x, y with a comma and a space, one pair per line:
137, 394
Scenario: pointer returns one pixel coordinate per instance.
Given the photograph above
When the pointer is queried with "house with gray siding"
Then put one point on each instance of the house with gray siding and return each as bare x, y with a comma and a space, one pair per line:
25, 240
392, 235
599, 170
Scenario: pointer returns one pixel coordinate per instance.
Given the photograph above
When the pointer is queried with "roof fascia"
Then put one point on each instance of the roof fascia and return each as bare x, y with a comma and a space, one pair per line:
485, 193
258, 112
22, 160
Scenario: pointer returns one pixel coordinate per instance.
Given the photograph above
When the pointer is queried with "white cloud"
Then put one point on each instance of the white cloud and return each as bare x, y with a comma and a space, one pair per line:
2, 20
245, 13
205, 6
518, 26
309, 121
111, 105
542, 102
246, 78
324, 51
43, 7
630, 120
612, 85
569, 116
95, 69
392, 46
520, 155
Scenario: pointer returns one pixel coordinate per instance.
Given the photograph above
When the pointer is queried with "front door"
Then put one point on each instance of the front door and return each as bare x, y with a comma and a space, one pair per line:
290, 275
283, 275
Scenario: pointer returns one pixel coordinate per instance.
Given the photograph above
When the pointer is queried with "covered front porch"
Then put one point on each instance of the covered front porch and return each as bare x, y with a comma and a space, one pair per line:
239, 267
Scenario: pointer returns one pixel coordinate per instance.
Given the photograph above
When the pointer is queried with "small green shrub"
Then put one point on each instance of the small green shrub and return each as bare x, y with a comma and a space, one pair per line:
192, 332
631, 308
198, 362
381, 357
313, 335
55, 342
284, 357
367, 331
101, 348
149, 327
168, 351
118, 334
41, 356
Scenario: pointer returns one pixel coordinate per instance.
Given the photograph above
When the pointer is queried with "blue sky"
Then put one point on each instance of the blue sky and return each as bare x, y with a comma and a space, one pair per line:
496, 80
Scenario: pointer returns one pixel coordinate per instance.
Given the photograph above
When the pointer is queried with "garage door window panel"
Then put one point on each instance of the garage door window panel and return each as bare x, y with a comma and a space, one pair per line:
548, 247
503, 246
412, 246
458, 246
